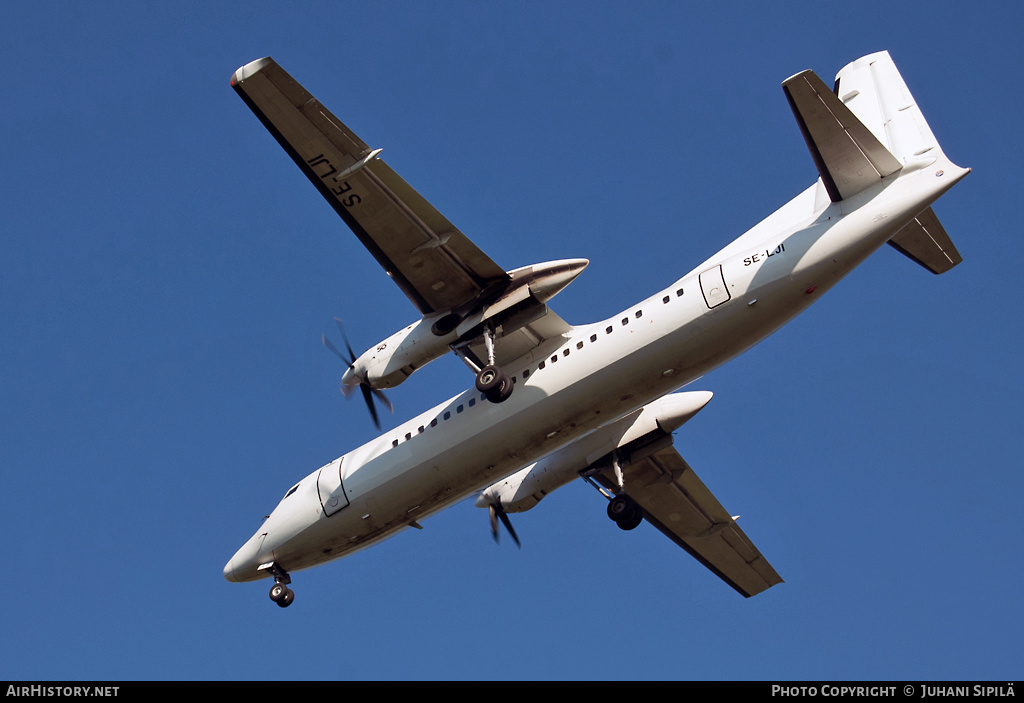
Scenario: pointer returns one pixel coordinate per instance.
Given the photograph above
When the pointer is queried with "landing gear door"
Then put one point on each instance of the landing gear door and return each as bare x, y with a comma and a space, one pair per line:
328, 485
712, 284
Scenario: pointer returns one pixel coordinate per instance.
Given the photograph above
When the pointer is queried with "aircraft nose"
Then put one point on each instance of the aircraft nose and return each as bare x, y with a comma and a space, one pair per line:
229, 571
242, 566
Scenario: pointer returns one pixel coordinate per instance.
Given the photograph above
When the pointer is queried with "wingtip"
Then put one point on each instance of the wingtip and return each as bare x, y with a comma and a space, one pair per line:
250, 69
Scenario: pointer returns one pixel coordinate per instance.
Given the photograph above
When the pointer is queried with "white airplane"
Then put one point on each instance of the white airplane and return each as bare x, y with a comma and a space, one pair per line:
554, 402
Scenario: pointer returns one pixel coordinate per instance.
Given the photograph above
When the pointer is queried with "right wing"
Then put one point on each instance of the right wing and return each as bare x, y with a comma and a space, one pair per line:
682, 508
436, 266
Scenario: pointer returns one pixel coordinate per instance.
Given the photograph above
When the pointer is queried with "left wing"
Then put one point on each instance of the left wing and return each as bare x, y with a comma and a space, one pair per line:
437, 267
678, 503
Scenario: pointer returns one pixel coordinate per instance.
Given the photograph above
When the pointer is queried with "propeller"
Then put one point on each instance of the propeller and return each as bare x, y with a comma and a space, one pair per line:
369, 392
496, 513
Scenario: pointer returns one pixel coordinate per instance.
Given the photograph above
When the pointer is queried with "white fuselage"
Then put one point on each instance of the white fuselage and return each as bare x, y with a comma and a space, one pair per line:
569, 387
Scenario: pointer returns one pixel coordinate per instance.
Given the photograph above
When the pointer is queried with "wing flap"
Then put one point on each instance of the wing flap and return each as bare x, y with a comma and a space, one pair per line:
682, 508
849, 158
435, 265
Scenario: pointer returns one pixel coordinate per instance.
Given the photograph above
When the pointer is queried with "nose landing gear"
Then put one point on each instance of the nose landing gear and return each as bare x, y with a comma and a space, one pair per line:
279, 592
282, 595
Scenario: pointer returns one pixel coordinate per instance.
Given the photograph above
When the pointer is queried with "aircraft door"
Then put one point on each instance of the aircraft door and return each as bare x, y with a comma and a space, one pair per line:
712, 284
330, 488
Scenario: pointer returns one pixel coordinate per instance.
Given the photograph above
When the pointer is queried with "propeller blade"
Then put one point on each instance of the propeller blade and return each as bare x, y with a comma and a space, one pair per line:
494, 521
344, 337
330, 346
508, 525
368, 397
496, 513
379, 394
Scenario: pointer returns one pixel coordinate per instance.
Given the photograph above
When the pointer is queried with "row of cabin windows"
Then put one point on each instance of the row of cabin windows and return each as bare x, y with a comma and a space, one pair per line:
526, 372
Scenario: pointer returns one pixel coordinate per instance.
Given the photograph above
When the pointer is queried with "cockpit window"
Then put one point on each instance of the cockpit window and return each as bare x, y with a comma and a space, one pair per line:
293, 489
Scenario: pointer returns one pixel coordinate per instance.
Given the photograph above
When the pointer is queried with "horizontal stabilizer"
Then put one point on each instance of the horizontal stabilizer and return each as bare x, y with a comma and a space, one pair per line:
925, 241
848, 156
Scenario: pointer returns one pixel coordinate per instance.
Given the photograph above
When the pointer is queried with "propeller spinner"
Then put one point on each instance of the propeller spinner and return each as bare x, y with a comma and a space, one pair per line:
369, 392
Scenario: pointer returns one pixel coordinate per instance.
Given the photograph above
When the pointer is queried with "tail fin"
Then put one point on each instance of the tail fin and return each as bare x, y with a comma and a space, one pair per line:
875, 92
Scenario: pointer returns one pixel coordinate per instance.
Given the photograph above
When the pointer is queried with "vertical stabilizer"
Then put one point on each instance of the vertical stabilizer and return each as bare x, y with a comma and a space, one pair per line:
873, 89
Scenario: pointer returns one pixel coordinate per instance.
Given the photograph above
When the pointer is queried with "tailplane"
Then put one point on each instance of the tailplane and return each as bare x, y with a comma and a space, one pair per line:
925, 241
848, 155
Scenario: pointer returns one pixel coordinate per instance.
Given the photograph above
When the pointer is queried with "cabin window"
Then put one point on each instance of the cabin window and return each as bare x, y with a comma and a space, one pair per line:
526, 374
565, 352
679, 293
394, 443
554, 358
541, 365
447, 414
608, 330
472, 402
579, 345
433, 423
593, 338
625, 321
408, 435
665, 299
458, 409
639, 314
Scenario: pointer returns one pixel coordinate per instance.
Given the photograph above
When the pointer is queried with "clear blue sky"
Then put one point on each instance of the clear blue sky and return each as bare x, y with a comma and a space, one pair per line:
166, 274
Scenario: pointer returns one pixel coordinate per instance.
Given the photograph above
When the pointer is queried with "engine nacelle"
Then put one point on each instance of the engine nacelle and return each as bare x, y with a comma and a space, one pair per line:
525, 488
395, 359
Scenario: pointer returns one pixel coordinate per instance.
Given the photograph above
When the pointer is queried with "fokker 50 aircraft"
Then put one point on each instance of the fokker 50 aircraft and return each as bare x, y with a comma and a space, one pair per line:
553, 402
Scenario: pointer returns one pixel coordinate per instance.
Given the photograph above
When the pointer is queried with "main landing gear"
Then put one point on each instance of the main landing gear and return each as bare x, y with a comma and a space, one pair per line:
494, 383
279, 592
625, 512
491, 380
